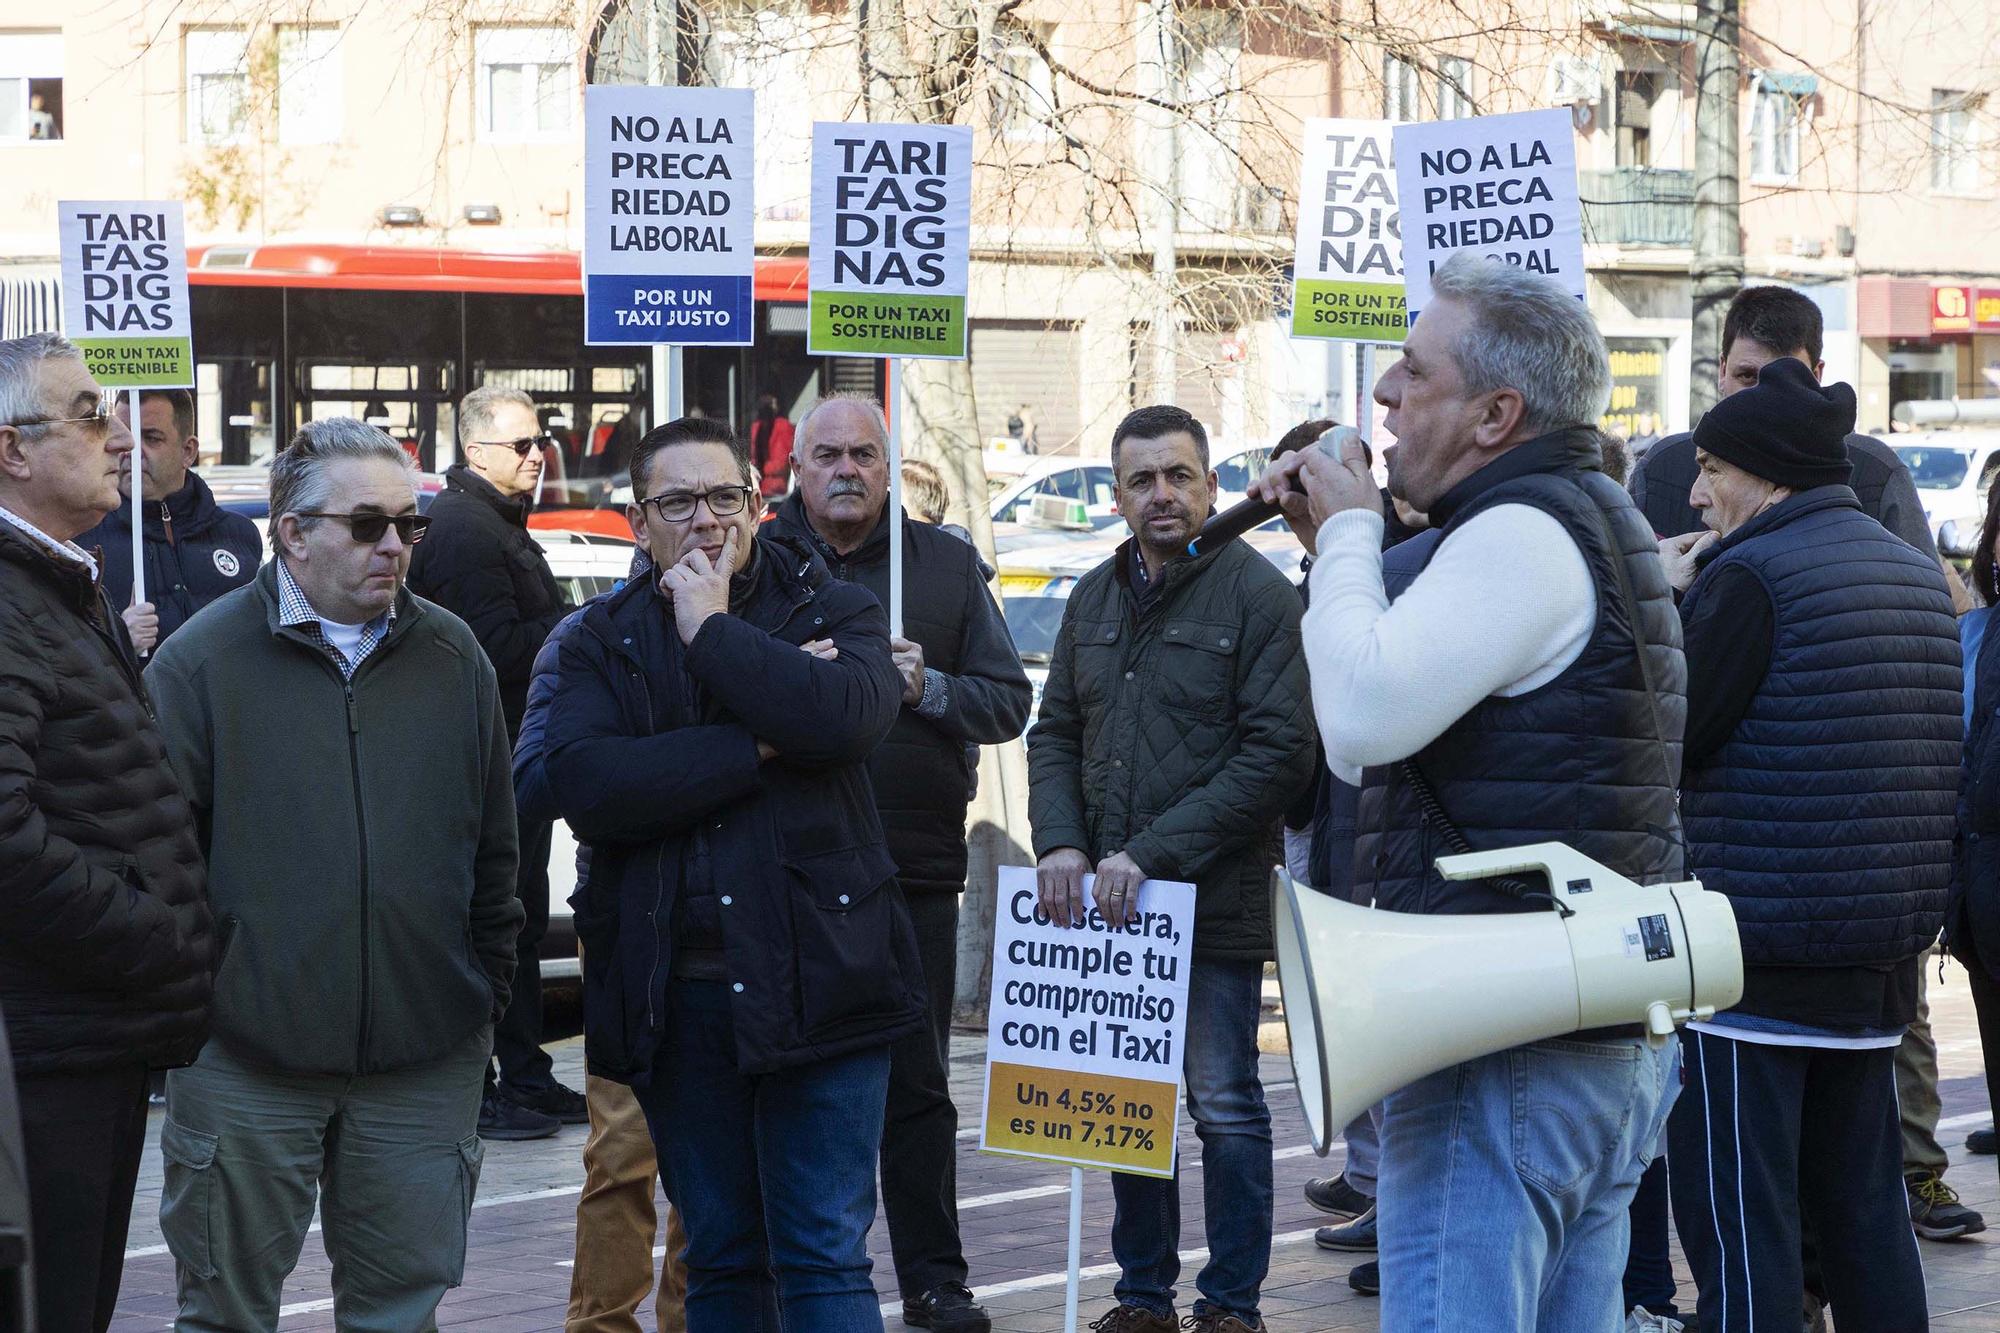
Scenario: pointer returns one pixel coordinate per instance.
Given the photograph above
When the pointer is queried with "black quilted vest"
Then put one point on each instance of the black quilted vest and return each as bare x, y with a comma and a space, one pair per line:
1591, 758
1828, 816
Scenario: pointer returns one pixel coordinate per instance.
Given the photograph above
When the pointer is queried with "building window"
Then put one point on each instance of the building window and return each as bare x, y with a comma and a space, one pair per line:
31, 87
1402, 90
1023, 85
1454, 88
1954, 142
217, 92
1775, 121
1633, 105
527, 84
309, 85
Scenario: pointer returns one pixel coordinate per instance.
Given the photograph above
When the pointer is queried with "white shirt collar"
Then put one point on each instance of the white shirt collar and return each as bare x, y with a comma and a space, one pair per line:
67, 550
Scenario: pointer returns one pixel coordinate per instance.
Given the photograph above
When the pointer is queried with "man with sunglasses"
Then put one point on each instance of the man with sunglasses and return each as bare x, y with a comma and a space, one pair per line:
479, 562
105, 961
343, 746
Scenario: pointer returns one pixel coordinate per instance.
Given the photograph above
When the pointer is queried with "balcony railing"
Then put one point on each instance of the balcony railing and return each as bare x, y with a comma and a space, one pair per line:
1638, 206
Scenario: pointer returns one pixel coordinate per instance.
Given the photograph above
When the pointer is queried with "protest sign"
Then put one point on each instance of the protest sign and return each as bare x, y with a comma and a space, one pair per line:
668, 253
1086, 1030
1500, 186
125, 292
891, 231
1348, 265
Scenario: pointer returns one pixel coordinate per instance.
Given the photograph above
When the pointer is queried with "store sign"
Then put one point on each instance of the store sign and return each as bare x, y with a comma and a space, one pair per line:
1637, 410
1956, 308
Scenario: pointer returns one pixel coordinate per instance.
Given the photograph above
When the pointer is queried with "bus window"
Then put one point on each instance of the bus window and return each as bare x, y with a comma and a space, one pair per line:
416, 404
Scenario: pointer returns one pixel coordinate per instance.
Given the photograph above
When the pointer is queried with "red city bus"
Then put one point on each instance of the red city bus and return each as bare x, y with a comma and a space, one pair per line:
397, 335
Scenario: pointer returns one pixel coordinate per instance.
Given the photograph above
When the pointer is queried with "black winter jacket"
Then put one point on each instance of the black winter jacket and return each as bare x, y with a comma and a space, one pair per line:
478, 562
650, 754
195, 551
106, 955
1974, 913
920, 773
1179, 734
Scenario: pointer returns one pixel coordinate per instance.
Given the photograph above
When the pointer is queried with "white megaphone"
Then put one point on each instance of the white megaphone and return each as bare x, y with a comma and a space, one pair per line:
1376, 1000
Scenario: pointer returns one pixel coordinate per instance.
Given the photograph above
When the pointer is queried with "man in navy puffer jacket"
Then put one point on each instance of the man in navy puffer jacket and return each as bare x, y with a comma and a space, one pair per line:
1820, 780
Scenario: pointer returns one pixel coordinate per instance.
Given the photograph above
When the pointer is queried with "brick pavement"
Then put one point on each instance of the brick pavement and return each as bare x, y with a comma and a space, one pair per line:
1014, 1214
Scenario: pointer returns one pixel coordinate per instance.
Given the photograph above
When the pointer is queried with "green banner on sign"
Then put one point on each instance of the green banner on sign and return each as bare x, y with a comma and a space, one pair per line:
887, 324
139, 363
1369, 311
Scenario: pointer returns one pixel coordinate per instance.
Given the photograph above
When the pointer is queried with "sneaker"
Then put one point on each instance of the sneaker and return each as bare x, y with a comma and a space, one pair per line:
1366, 1278
565, 1106
1134, 1319
1642, 1320
1814, 1314
1982, 1142
1935, 1211
1215, 1321
505, 1121
1332, 1194
949, 1307
1357, 1236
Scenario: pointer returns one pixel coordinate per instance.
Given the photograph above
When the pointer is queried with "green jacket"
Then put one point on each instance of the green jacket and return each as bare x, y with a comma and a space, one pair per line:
360, 835
1179, 734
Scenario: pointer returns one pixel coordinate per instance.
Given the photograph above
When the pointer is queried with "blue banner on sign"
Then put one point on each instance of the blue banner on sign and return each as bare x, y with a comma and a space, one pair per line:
640, 308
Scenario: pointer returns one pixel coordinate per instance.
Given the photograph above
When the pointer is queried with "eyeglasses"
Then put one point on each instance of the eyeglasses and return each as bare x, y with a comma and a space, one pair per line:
100, 412
368, 528
678, 506
522, 447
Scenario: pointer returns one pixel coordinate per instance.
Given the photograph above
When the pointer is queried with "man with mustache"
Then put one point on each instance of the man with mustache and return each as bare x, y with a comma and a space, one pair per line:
962, 686
1175, 730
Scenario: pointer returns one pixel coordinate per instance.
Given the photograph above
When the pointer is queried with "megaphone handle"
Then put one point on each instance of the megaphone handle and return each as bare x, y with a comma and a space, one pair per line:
1454, 838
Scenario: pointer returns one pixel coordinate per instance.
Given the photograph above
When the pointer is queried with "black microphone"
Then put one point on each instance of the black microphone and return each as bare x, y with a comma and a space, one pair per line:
1246, 515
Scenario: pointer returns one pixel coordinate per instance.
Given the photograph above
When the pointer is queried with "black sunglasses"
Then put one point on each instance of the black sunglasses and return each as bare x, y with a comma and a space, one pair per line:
522, 447
368, 528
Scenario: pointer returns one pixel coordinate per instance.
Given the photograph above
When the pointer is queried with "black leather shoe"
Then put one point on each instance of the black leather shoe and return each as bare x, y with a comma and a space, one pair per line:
948, 1307
1367, 1278
1982, 1141
564, 1105
504, 1121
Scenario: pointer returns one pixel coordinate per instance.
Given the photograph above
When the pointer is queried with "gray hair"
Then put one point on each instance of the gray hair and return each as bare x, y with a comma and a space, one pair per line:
869, 401
21, 374
478, 408
1529, 335
299, 482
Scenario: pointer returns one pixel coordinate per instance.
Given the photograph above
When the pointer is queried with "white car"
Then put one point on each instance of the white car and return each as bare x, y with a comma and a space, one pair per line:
1091, 482
1953, 470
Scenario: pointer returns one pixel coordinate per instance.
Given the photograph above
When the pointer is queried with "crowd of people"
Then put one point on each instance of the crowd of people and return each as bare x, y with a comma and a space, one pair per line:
281, 828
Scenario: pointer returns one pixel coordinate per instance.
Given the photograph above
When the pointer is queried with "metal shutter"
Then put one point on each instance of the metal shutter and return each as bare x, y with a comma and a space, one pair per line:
1026, 361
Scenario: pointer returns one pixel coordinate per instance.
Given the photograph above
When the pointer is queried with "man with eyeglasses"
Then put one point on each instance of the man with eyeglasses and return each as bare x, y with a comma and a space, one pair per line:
344, 749
105, 959
479, 561
747, 957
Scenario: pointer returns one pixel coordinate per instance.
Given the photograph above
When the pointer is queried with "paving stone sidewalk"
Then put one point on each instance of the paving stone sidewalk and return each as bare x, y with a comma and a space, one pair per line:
1014, 1215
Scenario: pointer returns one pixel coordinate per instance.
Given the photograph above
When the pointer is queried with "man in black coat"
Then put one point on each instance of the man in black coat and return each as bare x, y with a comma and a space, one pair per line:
106, 958
963, 685
747, 958
479, 561
195, 549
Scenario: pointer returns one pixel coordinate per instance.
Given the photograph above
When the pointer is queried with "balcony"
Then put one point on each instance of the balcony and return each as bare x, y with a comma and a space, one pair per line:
1638, 206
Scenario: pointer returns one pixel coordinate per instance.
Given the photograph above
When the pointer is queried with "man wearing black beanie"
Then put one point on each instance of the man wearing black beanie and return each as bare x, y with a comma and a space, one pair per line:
1818, 792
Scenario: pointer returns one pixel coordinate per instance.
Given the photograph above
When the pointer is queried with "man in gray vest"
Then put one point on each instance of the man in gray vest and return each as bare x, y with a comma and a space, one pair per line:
1824, 726
1528, 685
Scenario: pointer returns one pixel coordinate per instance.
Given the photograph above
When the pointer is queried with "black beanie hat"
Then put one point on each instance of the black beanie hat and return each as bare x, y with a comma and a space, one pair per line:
1788, 429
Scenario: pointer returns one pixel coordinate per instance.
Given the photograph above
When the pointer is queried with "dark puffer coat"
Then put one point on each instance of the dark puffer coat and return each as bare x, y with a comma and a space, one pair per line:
106, 955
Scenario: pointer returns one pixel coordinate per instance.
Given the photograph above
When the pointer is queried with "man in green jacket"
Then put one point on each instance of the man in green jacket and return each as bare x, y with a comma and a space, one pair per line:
1176, 727
342, 745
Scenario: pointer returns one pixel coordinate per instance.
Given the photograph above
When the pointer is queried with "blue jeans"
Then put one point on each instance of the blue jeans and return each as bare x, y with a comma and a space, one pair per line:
1507, 1181
1226, 1102
774, 1175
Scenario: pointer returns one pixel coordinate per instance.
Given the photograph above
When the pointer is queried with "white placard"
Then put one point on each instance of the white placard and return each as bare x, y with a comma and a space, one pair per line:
1347, 264
125, 291
1499, 186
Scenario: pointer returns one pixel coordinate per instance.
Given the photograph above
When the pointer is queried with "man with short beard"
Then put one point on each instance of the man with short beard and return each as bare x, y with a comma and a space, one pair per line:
1175, 731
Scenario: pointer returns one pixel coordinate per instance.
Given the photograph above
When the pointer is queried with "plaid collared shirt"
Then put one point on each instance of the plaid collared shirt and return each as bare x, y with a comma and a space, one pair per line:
295, 611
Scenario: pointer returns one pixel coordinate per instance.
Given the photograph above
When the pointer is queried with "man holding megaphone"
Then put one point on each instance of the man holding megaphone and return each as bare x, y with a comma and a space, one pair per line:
1528, 687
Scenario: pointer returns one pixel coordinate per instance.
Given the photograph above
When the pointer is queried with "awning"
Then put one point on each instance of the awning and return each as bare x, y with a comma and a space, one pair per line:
1788, 83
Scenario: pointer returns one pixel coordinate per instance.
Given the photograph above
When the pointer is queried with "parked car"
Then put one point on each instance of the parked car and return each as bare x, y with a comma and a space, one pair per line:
1953, 470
